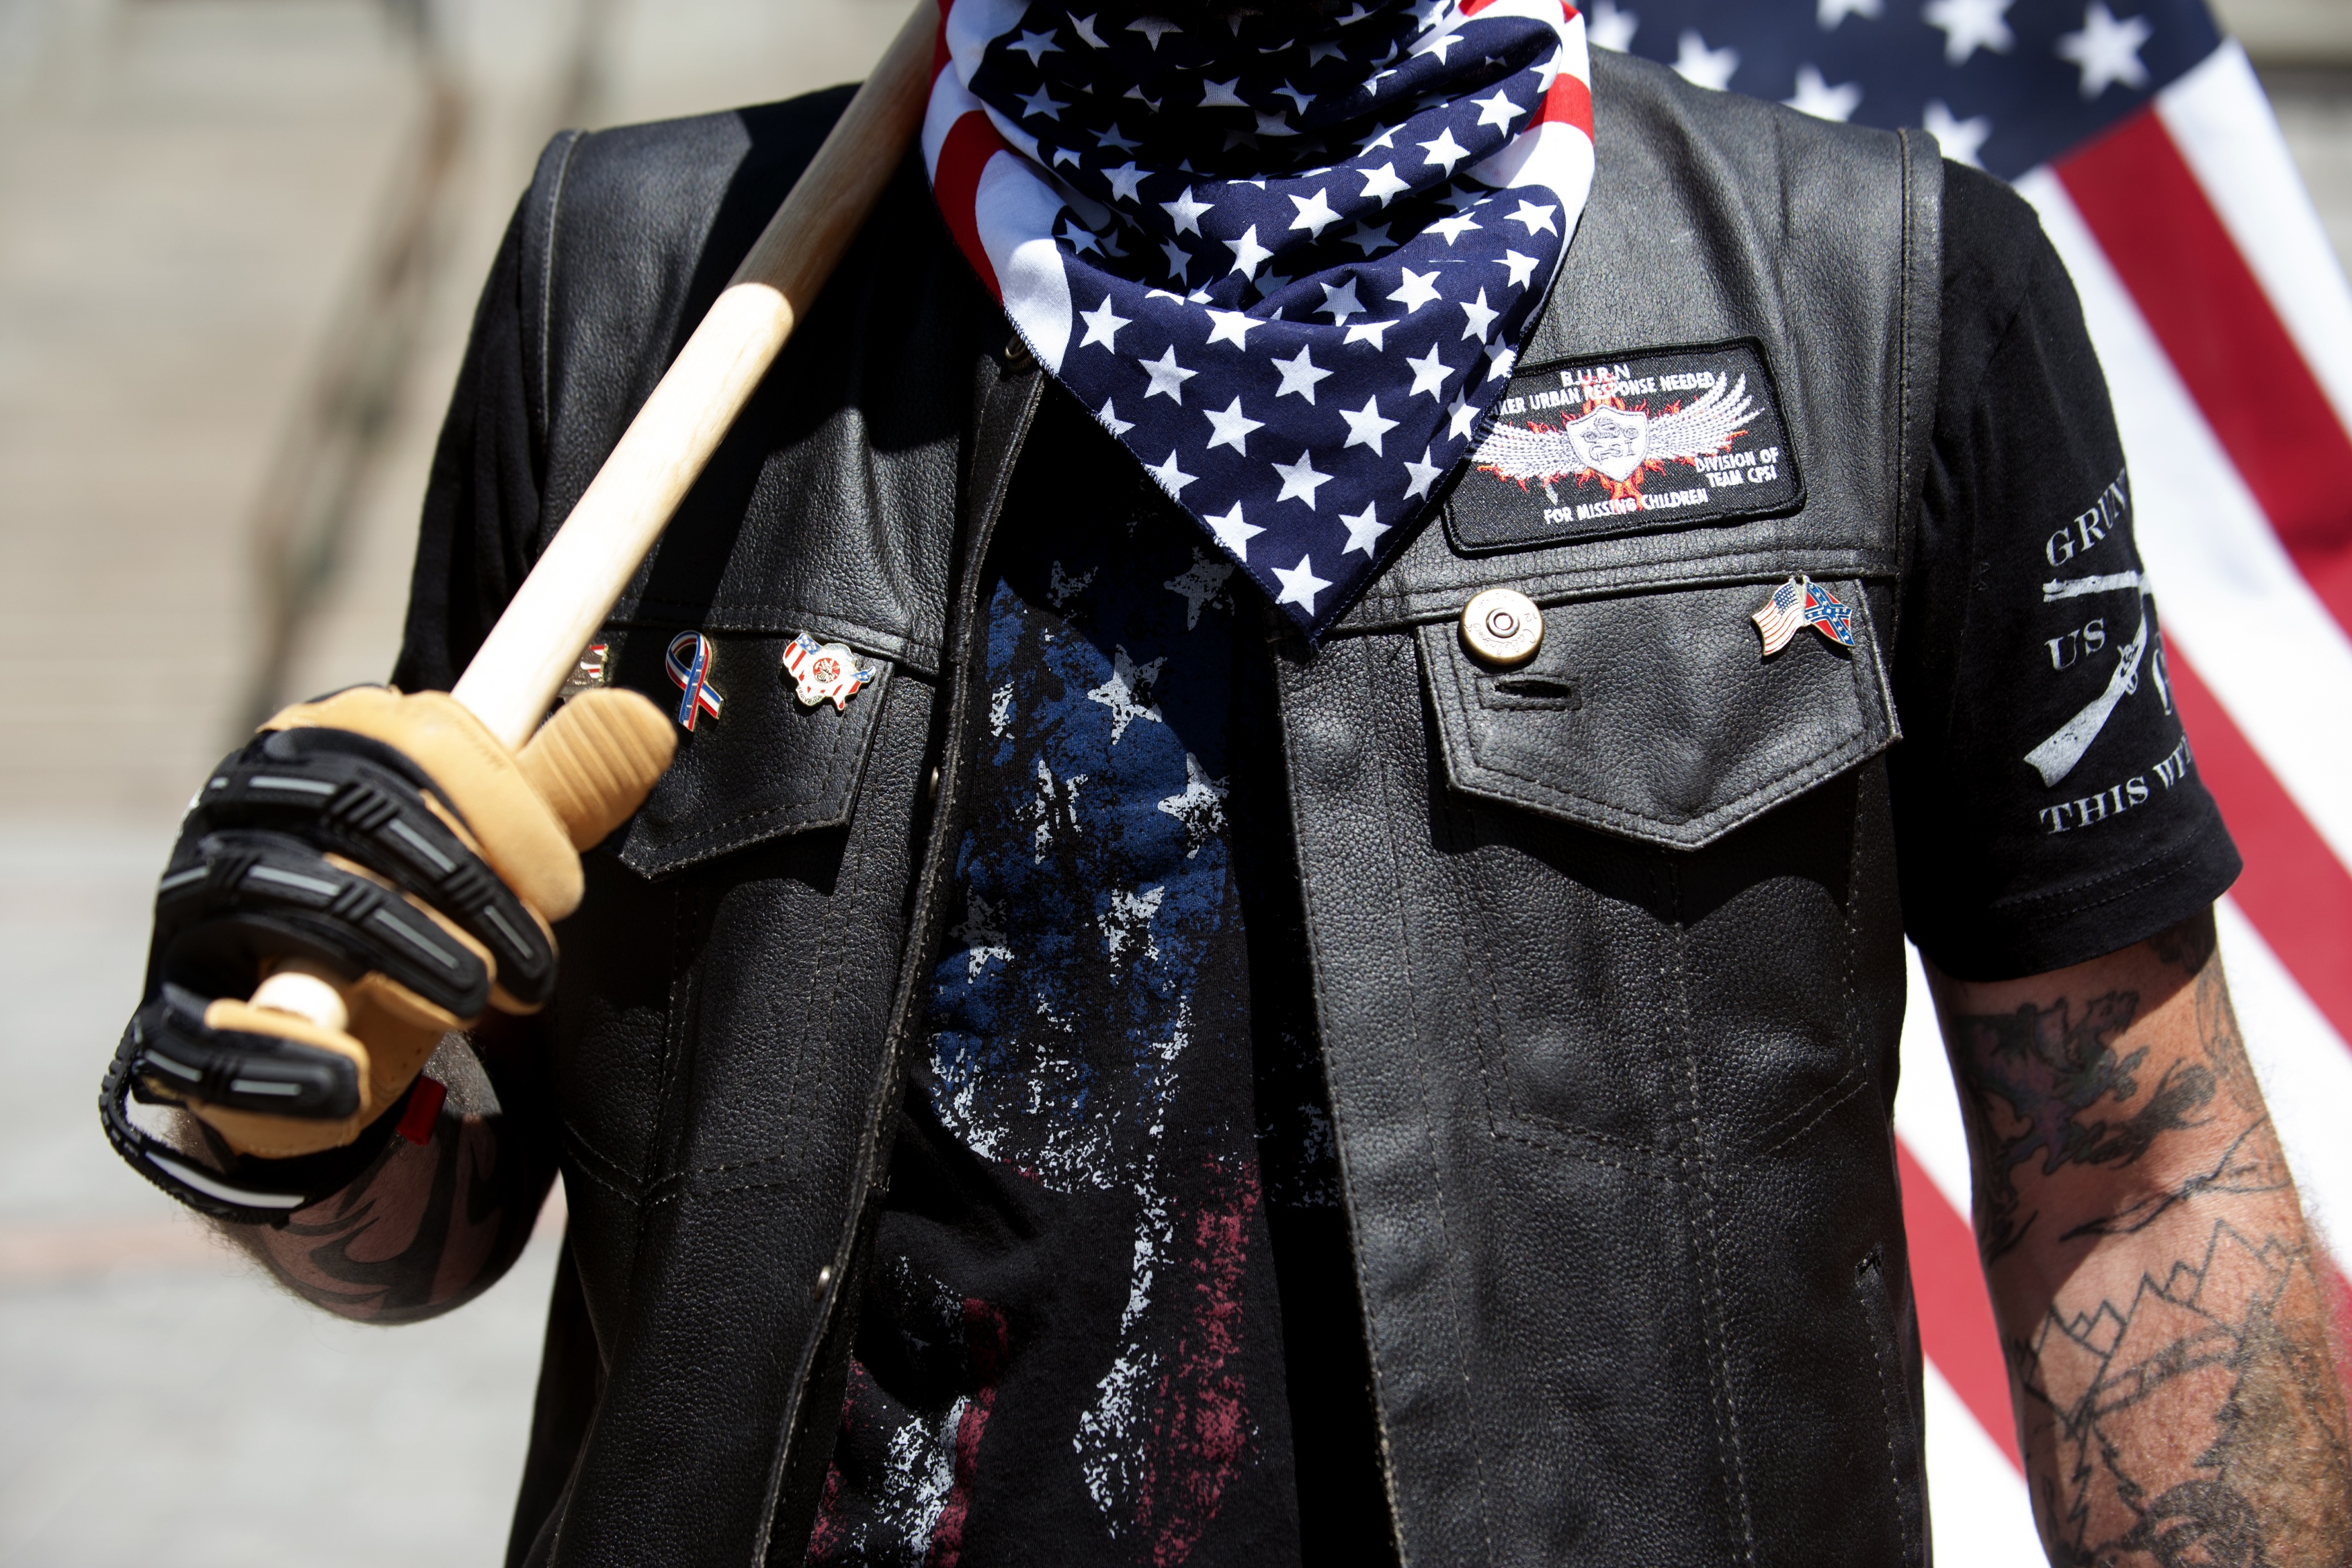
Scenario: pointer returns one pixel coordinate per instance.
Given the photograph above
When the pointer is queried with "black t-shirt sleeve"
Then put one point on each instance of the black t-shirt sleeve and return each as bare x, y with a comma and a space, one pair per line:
2048, 806
482, 498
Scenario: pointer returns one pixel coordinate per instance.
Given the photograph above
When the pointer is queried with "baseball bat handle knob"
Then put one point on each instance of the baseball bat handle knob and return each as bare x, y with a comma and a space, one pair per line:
305, 990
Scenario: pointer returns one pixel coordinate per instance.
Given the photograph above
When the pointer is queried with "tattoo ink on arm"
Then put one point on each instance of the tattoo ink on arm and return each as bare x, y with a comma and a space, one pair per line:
424, 1227
2164, 1315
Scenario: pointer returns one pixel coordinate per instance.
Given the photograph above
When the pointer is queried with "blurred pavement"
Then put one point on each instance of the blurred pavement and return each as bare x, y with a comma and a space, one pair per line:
239, 240
196, 201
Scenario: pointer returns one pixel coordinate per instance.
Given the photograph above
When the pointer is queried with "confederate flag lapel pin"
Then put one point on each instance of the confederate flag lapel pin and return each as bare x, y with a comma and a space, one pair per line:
1801, 602
689, 659
826, 671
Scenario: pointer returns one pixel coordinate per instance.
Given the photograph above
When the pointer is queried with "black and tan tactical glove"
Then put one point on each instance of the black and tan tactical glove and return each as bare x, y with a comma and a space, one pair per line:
391, 843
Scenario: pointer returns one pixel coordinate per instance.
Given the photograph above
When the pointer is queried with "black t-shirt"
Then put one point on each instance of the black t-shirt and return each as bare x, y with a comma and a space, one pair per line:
1110, 1315
2048, 808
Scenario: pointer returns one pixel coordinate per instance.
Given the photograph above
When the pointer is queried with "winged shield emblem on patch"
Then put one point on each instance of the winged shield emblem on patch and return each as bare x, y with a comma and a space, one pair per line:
1616, 442
1611, 441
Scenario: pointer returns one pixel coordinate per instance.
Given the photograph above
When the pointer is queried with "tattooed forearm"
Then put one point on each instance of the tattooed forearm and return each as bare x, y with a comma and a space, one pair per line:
2196, 1419
2060, 1090
424, 1229
2248, 1165
2167, 1325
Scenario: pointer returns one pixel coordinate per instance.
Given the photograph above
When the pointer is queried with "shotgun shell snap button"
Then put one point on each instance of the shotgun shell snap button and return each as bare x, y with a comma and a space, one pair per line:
1502, 627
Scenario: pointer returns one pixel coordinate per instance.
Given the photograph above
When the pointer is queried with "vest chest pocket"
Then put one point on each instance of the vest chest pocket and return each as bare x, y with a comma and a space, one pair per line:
1637, 949
1656, 718
764, 766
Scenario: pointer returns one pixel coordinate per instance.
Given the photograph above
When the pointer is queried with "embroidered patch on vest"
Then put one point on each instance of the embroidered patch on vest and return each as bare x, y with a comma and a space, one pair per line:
1578, 448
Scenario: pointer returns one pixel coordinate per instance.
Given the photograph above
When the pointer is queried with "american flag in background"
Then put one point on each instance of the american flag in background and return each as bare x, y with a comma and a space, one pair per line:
2224, 323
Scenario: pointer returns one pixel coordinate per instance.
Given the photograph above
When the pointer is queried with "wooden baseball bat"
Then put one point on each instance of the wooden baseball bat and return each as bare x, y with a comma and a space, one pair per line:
569, 592
514, 677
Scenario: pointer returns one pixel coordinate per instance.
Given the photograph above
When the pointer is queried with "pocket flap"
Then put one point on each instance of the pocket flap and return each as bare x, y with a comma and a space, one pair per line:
765, 767
1656, 718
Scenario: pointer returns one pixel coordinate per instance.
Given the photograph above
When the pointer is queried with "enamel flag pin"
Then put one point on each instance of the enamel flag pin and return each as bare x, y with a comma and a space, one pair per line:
1801, 602
826, 670
689, 671
593, 670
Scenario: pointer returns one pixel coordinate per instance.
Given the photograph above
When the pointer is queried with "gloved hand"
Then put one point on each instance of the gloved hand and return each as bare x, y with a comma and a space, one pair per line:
393, 844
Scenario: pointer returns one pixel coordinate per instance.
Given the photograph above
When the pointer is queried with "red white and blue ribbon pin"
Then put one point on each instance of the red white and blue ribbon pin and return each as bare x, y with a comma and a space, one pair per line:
1801, 602
689, 672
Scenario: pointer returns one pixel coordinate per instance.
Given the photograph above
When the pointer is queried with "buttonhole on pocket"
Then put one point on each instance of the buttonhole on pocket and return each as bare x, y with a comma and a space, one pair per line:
1529, 689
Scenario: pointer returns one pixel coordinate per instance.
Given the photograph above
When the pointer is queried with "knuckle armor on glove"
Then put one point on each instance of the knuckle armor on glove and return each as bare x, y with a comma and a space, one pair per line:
392, 842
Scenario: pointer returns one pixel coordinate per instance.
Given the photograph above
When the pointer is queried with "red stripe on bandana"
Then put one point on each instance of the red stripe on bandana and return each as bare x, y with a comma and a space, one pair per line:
971, 142
1570, 102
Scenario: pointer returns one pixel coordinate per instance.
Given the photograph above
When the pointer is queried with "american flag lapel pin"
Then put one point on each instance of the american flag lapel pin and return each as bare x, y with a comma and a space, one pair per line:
1801, 602
825, 672
689, 660
593, 670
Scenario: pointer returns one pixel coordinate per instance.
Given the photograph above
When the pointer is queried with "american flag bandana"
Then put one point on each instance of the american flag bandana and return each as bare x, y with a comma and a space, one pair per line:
1289, 262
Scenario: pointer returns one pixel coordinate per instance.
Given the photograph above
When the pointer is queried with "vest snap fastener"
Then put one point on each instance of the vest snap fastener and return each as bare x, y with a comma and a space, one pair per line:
1016, 352
931, 790
1502, 627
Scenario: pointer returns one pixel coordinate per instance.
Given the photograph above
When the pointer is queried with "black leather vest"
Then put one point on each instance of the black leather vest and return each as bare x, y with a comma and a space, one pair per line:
1607, 956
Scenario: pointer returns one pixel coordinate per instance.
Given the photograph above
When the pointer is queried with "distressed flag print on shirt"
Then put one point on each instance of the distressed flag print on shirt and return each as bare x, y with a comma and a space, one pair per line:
1288, 263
